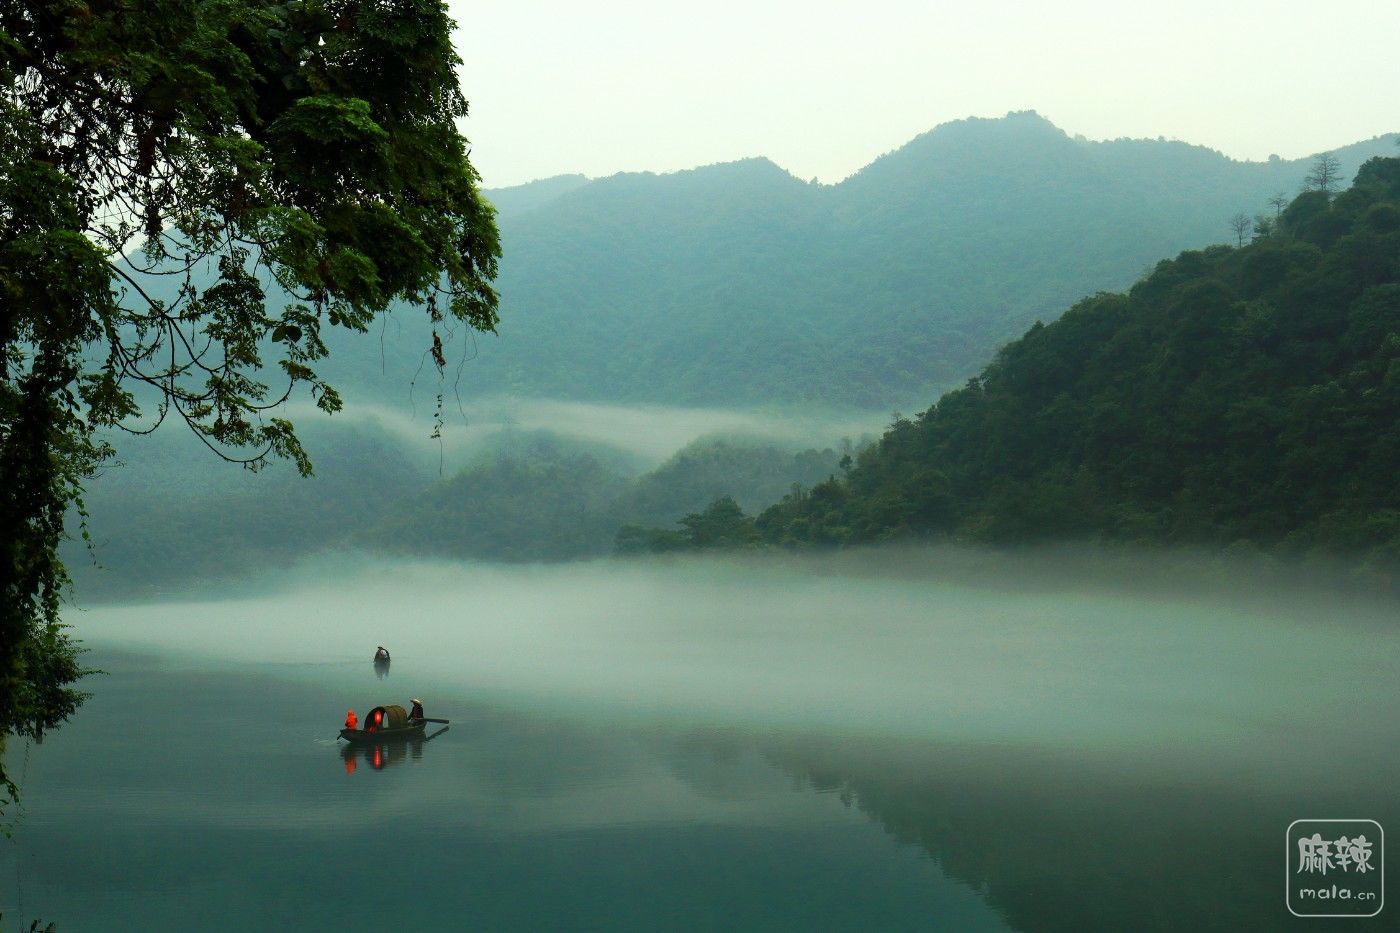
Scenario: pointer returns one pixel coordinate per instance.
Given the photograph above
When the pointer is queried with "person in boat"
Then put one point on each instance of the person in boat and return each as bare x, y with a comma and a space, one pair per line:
351, 720
382, 654
416, 713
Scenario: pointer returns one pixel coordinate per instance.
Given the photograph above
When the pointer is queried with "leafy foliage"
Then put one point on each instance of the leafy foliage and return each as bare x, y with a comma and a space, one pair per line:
163, 162
719, 525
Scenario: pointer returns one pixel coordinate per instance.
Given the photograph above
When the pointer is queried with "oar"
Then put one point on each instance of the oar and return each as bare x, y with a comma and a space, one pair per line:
443, 721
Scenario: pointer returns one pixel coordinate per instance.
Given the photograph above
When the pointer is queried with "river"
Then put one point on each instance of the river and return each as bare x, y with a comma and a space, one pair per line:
704, 745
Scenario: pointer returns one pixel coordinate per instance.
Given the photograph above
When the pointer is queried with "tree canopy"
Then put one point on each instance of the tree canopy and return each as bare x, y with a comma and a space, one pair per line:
165, 165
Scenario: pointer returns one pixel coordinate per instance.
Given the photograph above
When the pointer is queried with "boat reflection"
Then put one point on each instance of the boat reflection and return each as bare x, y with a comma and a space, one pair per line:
381, 668
381, 755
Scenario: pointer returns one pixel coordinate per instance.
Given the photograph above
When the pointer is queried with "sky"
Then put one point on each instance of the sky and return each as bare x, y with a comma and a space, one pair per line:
822, 89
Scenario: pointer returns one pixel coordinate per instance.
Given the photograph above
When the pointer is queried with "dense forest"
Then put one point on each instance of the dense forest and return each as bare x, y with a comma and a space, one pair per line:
1245, 396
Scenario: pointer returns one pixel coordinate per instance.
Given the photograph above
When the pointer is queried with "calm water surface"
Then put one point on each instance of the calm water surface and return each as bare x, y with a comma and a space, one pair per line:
708, 747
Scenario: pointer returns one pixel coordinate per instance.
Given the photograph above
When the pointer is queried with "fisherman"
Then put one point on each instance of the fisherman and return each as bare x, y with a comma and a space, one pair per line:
382, 654
351, 720
416, 713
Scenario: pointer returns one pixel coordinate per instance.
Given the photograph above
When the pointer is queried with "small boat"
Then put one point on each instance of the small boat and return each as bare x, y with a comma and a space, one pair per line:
380, 754
386, 724
364, 736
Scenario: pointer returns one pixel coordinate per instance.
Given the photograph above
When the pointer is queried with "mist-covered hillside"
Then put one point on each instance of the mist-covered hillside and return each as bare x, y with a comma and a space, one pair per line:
1238, 396
174, 519
738, 284
541, 498
733, 284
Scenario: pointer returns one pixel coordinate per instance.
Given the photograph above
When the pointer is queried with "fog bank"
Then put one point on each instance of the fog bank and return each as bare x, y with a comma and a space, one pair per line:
800, 644
651, 433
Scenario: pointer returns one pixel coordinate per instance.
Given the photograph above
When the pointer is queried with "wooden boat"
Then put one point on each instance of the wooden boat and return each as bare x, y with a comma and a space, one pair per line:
385, 724
412, 731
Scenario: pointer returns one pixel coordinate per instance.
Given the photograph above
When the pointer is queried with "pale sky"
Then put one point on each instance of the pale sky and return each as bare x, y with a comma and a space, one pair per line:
603, 86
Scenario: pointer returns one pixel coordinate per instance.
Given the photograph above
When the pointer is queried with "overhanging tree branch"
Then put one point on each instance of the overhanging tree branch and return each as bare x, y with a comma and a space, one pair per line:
250, 136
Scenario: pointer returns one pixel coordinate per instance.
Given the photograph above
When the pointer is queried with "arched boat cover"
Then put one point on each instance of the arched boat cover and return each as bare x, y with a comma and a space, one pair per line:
386, 717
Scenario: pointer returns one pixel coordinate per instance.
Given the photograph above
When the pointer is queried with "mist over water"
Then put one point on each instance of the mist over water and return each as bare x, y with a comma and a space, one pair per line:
801, 643
891, 739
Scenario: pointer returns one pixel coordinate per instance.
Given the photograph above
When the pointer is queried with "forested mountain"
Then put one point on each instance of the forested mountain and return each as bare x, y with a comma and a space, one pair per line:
755, 473
738, 284
520, 496
1246, 396
170, 516
539, 498
536, 501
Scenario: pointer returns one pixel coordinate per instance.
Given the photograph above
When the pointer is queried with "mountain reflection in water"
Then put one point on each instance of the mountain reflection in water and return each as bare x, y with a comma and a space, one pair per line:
516, 821
1070, 842
566, 822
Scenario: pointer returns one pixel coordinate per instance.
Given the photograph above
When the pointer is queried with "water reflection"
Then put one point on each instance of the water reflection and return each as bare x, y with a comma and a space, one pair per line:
559, 823
381, 755
381, 668
1071, 840
987, 773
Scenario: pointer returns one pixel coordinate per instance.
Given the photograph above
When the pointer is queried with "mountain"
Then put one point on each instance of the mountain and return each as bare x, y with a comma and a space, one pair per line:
542, 498
542, 501
1247, 397
521, 198
172, 521
733, 284
756, 473
169, 515
738, 284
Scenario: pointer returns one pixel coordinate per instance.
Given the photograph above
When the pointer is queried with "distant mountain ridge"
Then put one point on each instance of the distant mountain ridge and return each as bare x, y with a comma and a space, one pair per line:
904, 163
738, 284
